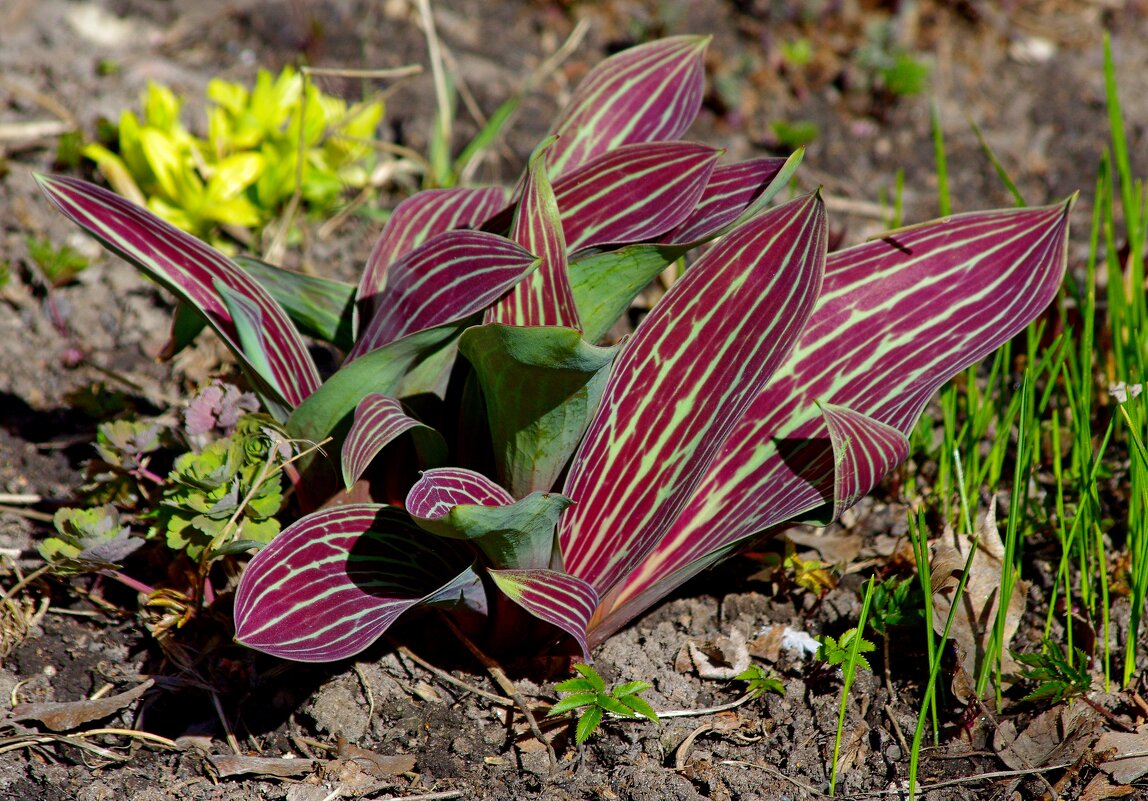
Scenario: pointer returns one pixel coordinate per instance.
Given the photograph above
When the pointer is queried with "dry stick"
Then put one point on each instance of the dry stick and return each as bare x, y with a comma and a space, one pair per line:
683, 751
897, 730
440, 89
443, 675
501, 679
710, 710
367, 692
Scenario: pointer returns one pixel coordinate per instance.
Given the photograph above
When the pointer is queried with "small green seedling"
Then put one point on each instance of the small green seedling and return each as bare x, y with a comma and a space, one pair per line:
760, 681
1056, 677
589, 693
838, 651
59, 265
896, 602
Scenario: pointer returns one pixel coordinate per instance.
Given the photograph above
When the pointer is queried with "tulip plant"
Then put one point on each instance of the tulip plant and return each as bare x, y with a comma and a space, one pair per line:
565, 482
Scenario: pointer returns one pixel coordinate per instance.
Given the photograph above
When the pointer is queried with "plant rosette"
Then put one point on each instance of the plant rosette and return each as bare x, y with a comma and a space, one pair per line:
562, 479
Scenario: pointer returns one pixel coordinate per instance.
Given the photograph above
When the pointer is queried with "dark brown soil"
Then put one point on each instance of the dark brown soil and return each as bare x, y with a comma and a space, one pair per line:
1029, 74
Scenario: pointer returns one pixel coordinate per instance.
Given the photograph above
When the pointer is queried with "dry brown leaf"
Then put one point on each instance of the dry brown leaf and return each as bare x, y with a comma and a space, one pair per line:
721, 657
226, 765
69, 715
1100, 788
1114, 744
976, 615
767, 645
1062, 734
836, 549
377, 765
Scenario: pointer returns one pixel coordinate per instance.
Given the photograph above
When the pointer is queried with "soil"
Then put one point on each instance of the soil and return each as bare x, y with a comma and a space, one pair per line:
1028, 73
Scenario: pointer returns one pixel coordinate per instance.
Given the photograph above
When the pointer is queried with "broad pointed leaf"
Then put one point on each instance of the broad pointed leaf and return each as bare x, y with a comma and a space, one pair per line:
633, 193
557, 598
380, 371
247, 318
450, 276
190, 269
544, 298
896, 318
864, 452
320, 307
535, 432
606, 283
416, 220
461, 504
733, 189
681, 383
644, 94
379, 419
332, 582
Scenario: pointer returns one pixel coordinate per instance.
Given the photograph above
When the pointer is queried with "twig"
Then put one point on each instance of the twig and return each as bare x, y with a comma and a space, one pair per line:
501, 679
442, 674
711, 710
31, 514
19, 498
367, 692
392, 73
436, 61
684, 748
442, 794
897, 730
230, 735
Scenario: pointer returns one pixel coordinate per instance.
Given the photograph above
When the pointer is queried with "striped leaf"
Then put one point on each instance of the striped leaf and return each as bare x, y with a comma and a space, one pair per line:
605, 283
544, 298
450, 276
379, 419
896, 318
647, 93
381, 371
681, 383
461, 504
319, 307
440, 490
554, 597
633, 193
332, 582
535, 432
192, 271
732, 191
864, 452
416, 220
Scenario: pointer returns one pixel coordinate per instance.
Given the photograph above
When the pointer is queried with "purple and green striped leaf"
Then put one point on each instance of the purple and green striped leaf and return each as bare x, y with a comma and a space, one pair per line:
734, 194
635, 193
450, 276
192, 271
554, 597
320, 307
647, 93
332, 582
535, 432
897, 317
682, 382
379, 419
416, 220
605, 283
864, 452
381, 371
461, 504
544, 298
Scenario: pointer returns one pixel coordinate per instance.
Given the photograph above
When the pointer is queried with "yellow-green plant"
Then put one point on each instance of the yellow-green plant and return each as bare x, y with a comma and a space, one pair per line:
263, 145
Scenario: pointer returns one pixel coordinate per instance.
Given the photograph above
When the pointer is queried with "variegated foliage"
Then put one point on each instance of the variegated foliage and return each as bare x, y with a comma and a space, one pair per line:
773, 382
